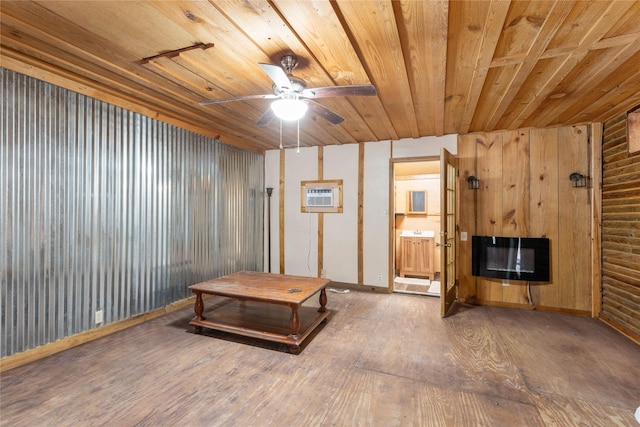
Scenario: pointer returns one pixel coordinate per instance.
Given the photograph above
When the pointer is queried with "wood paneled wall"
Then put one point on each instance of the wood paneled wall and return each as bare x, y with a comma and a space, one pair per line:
620, 230
525, 191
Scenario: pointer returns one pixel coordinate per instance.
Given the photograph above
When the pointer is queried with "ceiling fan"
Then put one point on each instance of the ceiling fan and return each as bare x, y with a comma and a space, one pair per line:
293, 98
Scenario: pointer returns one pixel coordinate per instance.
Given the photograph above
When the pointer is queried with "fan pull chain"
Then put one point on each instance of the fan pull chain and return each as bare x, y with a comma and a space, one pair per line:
298, 137
281, 134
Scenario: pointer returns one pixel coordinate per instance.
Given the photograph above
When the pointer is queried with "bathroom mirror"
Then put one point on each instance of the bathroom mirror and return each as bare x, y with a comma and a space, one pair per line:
417, 202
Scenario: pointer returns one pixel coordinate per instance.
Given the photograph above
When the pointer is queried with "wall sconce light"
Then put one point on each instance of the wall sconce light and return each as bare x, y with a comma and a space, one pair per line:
473, 182
578, 180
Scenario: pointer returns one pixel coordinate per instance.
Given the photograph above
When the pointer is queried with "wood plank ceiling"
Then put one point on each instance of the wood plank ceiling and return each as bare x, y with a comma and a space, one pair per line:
439, 67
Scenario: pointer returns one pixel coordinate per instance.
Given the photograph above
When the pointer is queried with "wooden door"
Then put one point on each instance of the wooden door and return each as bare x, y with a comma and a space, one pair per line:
448, 221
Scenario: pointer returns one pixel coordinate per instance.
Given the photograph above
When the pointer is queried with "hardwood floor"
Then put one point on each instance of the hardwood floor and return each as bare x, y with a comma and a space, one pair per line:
381, 360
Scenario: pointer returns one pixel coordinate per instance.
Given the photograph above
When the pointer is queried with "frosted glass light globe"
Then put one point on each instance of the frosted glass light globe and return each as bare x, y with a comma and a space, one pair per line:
289, 109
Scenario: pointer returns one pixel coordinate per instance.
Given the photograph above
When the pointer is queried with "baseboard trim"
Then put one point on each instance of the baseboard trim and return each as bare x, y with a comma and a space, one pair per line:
475, 301
31, 355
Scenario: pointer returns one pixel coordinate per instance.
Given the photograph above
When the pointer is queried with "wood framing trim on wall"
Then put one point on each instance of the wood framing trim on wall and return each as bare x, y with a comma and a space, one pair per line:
320, 216
595, 189
281, 213
360, 213
391, 246
467, 218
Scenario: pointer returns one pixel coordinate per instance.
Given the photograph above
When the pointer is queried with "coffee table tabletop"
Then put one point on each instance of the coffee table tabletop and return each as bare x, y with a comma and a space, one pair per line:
268, 287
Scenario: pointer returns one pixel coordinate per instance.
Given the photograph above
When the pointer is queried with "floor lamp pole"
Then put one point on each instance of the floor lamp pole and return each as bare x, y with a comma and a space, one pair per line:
269, 192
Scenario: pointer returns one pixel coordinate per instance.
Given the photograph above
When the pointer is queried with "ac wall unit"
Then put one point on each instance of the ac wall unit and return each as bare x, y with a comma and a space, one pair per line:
320, 197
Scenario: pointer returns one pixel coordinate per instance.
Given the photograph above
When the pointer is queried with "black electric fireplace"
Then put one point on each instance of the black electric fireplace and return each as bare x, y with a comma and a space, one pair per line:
511, 258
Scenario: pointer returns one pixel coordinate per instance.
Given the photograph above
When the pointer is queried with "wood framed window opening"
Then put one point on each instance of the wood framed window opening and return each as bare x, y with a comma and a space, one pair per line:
332, 189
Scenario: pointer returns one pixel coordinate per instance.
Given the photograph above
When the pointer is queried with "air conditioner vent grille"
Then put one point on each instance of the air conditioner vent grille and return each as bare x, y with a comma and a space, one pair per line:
319, 197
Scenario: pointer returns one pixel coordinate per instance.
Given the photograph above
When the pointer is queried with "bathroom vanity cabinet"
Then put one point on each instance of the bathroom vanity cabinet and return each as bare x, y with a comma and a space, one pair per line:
417, 257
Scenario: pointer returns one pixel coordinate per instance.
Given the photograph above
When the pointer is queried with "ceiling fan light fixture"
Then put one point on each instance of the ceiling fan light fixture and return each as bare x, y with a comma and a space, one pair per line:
289, 109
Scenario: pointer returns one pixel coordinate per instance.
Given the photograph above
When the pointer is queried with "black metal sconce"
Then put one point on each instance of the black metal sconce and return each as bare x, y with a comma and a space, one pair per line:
578, 180
473, 182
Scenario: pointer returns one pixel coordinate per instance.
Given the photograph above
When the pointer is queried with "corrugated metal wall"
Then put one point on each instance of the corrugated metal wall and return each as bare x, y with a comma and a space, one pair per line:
102, 208
620, 229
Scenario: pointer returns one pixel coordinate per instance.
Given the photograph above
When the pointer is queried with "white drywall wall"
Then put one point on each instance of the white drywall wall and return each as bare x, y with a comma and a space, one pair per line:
341, 229
376, 213
340, 239
300, 229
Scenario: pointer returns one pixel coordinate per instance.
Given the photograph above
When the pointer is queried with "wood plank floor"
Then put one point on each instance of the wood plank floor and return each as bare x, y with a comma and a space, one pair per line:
381, 360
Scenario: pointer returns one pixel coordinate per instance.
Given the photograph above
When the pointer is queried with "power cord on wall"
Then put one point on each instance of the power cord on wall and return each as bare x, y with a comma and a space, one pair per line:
309, 249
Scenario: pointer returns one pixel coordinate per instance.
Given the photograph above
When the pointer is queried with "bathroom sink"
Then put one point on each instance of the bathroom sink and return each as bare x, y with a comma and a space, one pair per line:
417, 233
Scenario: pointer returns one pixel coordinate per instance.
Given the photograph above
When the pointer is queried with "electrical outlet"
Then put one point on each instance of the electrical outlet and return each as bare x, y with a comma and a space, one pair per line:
463, 236
323, 273
379, 278
505, 282
99, 316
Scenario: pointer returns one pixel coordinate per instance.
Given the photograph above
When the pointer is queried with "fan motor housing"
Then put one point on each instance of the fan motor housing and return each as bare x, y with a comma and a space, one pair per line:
297, 85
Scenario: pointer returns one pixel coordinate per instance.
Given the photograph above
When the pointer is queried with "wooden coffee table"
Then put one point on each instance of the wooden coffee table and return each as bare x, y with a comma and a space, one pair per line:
256, 306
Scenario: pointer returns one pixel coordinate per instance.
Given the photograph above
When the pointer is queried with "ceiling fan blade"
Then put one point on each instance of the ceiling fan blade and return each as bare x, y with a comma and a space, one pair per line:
238, 98
266, 117
329, 91
278, 76
325, 113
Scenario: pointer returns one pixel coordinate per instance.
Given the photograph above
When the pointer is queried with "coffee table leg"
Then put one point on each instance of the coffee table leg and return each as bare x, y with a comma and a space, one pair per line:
294, 325
294, 349
294, 322
198, 308
323, 301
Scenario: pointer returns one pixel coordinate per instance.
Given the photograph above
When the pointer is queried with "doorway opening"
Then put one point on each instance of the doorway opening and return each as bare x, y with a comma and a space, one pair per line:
416, 229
